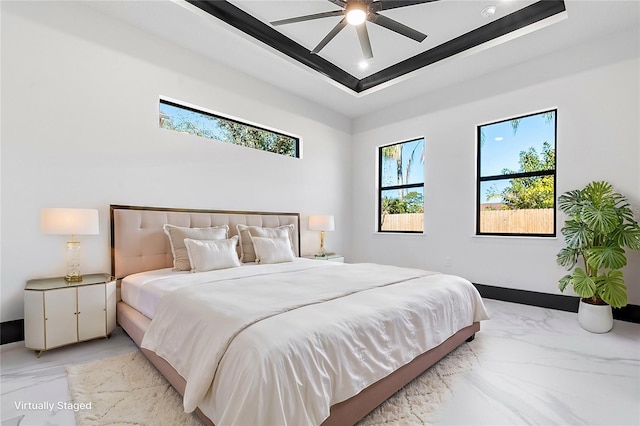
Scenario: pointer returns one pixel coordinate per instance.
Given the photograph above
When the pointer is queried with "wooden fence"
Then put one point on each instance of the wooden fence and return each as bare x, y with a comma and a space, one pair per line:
403, 222
525, 221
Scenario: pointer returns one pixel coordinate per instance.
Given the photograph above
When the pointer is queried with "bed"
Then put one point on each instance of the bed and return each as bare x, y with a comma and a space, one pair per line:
288, 342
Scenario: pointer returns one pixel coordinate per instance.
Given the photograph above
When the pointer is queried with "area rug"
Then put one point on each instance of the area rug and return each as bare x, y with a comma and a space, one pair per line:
128, 390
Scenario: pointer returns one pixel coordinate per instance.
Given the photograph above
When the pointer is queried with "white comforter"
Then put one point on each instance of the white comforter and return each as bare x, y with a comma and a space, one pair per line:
282, 346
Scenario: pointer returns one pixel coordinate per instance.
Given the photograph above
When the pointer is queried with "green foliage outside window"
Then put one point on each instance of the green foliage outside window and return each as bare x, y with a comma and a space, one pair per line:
413, 202
535, 192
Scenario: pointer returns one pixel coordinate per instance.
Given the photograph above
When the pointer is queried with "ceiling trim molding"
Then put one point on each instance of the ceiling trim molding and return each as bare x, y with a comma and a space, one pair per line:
257, 29
498, 28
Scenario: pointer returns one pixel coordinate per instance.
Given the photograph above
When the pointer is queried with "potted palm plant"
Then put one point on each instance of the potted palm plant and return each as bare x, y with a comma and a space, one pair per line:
599, 227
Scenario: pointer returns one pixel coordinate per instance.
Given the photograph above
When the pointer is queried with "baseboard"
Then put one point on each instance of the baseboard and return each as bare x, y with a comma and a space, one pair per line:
630, 313
12, 331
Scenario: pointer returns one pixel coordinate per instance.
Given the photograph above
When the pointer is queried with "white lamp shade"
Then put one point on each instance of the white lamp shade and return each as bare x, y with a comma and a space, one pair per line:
69, 221
321, 223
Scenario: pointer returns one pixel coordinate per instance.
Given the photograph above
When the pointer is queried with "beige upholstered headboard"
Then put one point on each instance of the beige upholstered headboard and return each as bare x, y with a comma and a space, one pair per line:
138, 242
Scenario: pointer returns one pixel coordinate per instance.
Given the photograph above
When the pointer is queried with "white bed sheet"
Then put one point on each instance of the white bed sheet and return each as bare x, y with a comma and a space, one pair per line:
285, 344
142, 291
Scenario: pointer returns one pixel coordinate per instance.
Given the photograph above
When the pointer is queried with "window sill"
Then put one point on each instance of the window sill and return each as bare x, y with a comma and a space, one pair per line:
525, 237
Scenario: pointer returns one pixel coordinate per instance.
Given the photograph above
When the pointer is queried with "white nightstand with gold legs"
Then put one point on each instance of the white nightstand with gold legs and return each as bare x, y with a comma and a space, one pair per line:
59, 313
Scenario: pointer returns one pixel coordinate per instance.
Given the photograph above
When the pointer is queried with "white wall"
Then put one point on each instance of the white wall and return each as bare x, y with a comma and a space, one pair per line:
597, 92
80, 129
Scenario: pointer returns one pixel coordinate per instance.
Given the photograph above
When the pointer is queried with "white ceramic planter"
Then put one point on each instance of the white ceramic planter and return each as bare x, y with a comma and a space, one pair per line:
595, 318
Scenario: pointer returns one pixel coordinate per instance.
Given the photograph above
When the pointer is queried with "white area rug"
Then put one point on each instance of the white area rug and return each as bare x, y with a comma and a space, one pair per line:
128, 390
418, 402
125, 390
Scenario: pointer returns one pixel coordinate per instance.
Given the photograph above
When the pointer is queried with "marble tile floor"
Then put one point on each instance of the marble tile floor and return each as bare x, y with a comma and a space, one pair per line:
26, 378
536, 367
539, 367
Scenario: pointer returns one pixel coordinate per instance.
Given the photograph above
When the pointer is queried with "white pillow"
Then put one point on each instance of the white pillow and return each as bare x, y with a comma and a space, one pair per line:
177, 235
208, 255
246, 233
272, 250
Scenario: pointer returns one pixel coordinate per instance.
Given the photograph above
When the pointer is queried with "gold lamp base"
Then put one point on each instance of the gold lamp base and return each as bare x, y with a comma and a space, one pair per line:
73, 278
322, 252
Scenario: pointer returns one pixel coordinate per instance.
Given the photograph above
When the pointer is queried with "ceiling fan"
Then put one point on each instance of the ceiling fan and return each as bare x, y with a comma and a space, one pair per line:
356, 13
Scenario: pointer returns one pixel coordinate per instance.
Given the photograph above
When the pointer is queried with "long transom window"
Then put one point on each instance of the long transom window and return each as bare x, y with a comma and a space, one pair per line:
186, 119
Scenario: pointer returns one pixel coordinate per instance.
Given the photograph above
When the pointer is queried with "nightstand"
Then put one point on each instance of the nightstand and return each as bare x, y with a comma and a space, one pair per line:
332, 257
59, 313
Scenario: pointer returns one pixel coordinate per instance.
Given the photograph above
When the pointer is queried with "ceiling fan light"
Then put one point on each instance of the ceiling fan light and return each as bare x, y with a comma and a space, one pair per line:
356, 13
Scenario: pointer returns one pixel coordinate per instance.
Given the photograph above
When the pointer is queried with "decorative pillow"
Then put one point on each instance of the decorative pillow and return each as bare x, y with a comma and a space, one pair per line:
272, 250
247, 252
177, 235
208, 255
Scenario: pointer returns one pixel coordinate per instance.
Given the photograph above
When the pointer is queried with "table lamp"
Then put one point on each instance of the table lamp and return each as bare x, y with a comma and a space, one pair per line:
321, 223
56, 221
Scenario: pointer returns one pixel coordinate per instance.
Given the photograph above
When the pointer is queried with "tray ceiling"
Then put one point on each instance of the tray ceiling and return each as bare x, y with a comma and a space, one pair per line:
610, 28
452, 27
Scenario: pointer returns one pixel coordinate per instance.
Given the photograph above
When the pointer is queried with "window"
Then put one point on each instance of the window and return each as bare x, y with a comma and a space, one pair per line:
186, 119
401, 187
517, 176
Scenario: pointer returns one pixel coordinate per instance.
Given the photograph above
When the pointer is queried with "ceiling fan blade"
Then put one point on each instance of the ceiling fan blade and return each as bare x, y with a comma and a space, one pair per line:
365, 42
308, 17
396, 26
334, 32
393, 4
340, 3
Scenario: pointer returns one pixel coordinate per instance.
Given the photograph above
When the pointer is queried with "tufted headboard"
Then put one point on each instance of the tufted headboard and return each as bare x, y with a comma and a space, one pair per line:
138, 242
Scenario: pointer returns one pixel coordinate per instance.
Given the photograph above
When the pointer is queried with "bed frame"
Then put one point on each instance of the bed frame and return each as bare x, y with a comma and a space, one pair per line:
138, 244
